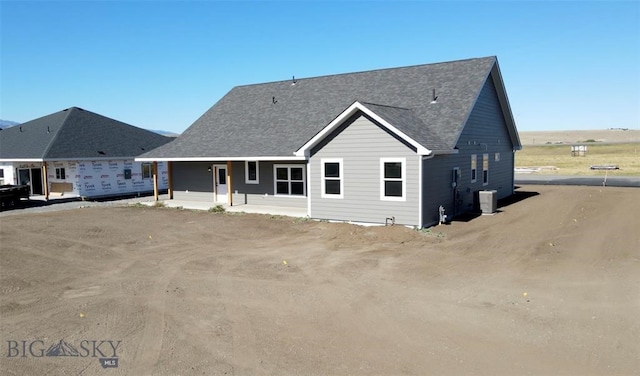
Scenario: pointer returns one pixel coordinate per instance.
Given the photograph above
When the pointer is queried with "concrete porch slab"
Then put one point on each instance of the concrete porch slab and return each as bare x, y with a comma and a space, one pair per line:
253, 209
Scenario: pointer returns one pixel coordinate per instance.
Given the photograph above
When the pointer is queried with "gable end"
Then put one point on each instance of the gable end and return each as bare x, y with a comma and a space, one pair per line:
356, 107
328, 138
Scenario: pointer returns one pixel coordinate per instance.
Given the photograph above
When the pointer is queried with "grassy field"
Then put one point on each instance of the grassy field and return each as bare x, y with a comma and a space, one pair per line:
605, 136
557, 159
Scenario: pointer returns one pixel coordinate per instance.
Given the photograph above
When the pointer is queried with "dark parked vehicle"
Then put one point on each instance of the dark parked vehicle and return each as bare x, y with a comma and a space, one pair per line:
10, 195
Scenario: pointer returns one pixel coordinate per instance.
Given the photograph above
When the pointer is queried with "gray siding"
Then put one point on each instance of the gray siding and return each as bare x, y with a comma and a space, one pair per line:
361, 144
484, 132
192, 181
436, 187
263, 193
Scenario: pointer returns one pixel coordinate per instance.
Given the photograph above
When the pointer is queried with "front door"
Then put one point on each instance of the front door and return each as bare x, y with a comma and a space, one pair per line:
220, 183
36, 181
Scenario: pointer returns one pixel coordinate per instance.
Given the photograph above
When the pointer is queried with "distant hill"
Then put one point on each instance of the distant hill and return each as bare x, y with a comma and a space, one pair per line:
611, 135
164, 133
7, 124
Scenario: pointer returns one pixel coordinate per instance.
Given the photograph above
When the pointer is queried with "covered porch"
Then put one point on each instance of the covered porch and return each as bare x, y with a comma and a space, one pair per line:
206, 185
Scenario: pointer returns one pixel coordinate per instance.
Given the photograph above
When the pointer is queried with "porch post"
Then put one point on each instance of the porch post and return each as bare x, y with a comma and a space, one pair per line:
45, 181
155, 180
229, 185
170, 183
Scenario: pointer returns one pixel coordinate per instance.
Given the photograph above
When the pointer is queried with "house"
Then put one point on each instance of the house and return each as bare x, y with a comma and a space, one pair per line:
372, 147
78, 153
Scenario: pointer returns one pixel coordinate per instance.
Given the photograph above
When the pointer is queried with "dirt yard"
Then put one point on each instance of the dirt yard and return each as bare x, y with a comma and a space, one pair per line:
550, 285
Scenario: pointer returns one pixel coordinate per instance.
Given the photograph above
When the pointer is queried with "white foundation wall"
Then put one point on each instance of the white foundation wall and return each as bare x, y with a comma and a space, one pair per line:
106, 177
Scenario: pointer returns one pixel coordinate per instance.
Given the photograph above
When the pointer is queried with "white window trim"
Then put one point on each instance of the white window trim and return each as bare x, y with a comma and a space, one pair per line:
485, 157
474, 158
323, 178
496, 157
246, 173
403, 161
289, 166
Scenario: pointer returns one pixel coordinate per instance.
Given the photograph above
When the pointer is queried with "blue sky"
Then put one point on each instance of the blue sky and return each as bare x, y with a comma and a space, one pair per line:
162, 64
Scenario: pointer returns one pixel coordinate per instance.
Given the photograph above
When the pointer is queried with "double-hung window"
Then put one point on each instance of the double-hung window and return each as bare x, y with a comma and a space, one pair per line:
393, 179
290, 180
485, 169
60, 173
146, 170
474, 168
332, 178
251, 172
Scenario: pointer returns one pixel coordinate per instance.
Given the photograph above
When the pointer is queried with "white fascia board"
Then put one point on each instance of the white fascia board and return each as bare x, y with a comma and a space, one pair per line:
64, 159
443, 152
440, 152
357, 106
220, 159
22, 160
87, 159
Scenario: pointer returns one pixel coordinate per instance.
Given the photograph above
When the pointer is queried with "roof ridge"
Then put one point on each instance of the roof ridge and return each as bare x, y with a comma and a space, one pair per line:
366, 71
55, 136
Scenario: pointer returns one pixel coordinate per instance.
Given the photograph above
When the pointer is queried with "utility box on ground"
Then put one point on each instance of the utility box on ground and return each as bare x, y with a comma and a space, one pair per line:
488, 201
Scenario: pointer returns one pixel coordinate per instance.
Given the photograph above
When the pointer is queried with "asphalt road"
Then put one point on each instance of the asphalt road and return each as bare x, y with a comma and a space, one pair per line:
611, 181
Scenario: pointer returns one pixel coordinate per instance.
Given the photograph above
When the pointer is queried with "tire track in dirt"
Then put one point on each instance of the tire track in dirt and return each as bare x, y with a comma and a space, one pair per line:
245, 361
148, 353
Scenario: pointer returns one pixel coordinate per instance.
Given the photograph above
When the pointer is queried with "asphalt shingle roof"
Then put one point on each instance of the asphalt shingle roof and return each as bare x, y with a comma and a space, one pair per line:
410, 124
275, 119
76, 133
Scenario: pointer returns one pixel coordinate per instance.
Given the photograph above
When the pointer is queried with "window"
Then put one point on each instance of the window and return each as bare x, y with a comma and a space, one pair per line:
146, 171
485, 169
496, 157
251, 174
332, 178
2, 173
393, 185
222, 176
60, 173
290, 180
474, 168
